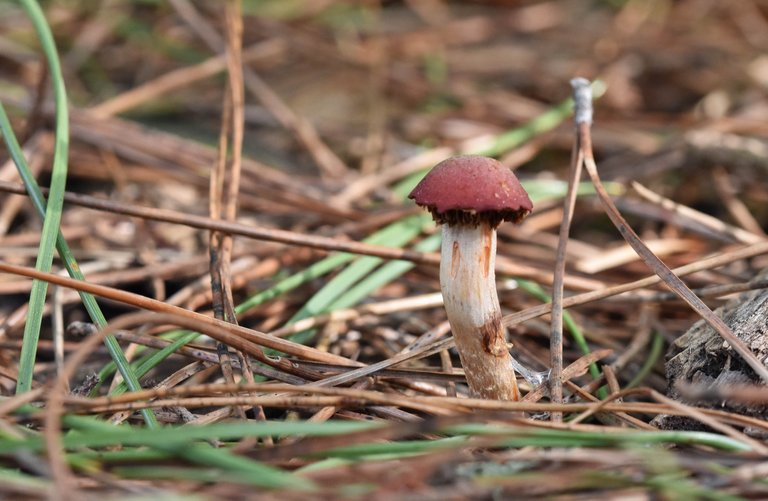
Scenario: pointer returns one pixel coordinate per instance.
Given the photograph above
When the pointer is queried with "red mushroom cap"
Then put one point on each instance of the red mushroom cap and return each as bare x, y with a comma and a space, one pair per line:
470, 190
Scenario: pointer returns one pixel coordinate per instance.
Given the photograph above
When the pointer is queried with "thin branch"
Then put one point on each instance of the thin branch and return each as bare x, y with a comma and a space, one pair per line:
275, 235
582, 98
661, 269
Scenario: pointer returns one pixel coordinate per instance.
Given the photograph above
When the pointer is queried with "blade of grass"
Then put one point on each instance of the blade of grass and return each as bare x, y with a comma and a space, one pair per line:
384, 275
317, 270
52, 216
657, 350
393, 450
13, 480
245, 468
181, 444
95, 434
401, 232
151, 361
83, 459
543, 437
538, 292
198, 475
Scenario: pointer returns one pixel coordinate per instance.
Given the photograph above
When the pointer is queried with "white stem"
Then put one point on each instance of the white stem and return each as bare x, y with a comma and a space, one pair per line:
468, 282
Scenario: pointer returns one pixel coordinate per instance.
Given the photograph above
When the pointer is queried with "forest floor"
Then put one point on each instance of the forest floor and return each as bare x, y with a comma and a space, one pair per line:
297, 254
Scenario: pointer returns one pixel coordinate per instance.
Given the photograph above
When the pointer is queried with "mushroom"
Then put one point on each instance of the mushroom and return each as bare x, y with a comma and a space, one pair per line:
470, 196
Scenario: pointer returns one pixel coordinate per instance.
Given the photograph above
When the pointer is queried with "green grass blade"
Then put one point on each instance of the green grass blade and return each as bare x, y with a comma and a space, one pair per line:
392, 450
515, 137
185, 442
13, 480
398, 234
384, 275
123, 455
656, 352
242, 467
538, 292
52, 219
541, 437
93, 434
197, 475
156, 358
317, 270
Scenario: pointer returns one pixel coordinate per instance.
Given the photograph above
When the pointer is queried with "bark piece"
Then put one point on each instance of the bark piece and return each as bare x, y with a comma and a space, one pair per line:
701, 357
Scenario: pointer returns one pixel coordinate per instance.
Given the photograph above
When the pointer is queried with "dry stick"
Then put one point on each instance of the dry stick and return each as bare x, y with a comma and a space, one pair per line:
219, 257
624, 254
743, 236
733, 203
272, 395
275, 235
175, 267
709, 291
440, 406
203, 354
414, 351
173, 380
240, 337
220, 244
640, 339
577, 368
556, 325
712, 422
588, 297
275, 400
10, 404
650, 259
431, 300
235, 64
356, 397
327, 413
255, 232
623, 416
679, 409
237, 95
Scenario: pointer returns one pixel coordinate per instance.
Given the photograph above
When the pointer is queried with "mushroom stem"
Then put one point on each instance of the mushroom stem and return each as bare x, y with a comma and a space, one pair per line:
468, 283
